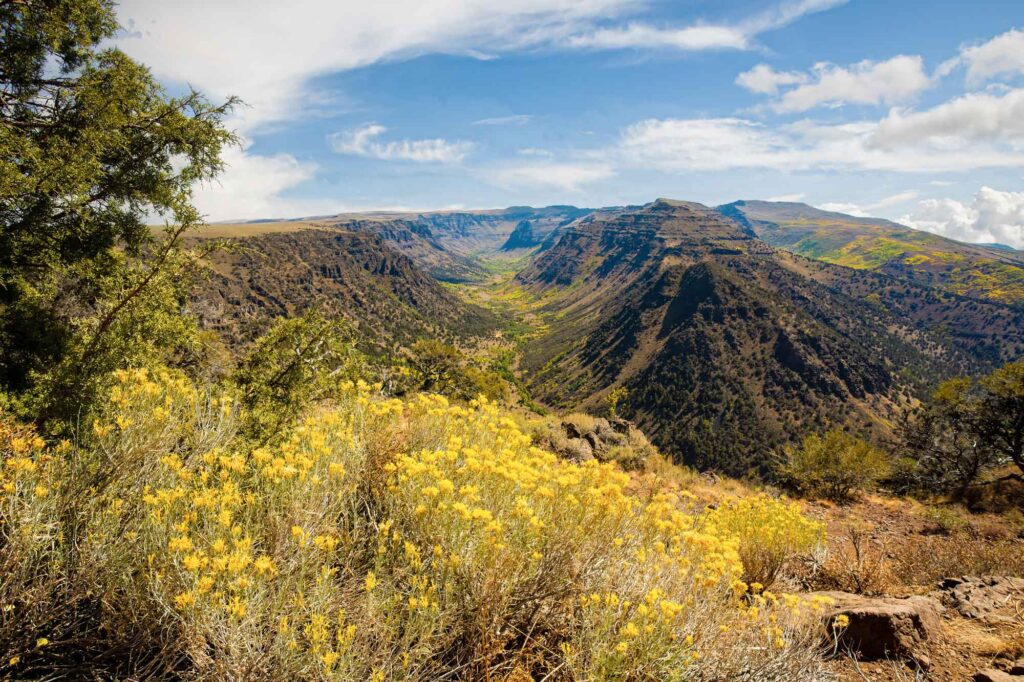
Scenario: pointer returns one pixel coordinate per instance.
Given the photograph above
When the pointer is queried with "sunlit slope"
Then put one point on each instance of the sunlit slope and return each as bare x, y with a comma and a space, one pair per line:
980, 271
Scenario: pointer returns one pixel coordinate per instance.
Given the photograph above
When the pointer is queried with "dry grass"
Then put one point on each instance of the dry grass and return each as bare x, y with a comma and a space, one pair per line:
241, 230
925, 560
856, 563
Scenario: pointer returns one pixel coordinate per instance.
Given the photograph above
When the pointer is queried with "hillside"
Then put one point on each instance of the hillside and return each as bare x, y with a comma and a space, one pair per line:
451, 246
275, 274
727, 348
989, 272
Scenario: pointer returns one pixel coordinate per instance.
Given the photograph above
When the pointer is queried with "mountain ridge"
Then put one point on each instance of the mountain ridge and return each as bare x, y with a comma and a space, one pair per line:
975, 270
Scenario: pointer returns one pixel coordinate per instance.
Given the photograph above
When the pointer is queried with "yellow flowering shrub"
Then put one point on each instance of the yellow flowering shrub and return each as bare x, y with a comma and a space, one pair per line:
770, 533
378, 538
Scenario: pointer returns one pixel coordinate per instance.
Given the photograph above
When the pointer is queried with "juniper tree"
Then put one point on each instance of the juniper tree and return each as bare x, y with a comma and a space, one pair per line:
92, 150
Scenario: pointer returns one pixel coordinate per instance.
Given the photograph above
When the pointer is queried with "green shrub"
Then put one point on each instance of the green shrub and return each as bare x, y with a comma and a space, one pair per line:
299, 360
946, 519
834, 466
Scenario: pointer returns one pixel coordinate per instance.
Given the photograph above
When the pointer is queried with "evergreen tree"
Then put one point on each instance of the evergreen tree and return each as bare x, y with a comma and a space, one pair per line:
92, 149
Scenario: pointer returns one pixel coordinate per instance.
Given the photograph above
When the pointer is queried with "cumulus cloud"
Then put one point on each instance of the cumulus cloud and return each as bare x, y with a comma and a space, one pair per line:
844, 207
702, 36
867, 82
363, 142
866, 211
993, 216
253, 185
971, 118
765, 80
1002, 55
974, 131
568, 176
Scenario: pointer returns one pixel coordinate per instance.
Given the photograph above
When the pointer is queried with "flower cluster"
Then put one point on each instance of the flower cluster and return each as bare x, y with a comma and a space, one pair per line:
382, 538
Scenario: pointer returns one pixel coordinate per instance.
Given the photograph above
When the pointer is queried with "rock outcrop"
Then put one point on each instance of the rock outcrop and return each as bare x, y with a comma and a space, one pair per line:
884, 627
990, 599
993, 675
582, 438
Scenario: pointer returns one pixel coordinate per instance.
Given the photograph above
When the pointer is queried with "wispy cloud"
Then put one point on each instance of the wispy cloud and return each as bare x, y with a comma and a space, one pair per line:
514, 120
867, 210
363, 142
568, 176
700, 36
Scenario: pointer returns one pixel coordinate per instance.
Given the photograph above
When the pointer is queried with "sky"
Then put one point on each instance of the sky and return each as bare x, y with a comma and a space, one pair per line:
911, 110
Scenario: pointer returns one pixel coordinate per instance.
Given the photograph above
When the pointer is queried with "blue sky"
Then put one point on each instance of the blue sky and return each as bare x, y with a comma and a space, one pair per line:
910, 110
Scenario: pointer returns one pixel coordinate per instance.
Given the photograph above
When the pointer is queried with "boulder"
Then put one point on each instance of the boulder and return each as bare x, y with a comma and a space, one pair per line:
599, 438
993, 675
885, 627
578, 450
990, 599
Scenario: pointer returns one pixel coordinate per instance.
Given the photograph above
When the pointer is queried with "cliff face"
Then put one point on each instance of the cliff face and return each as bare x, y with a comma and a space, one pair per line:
353, 274
728, 349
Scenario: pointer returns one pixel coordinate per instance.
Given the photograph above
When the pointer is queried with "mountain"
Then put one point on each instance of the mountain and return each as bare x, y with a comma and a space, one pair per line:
729, 342
986, 271
522, 237
283, 269
727, 347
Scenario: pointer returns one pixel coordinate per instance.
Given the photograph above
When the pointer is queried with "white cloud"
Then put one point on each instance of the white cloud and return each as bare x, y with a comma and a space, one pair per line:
1002, 55
993, 216
515, 120
267, 52
765, 80
972, 119
252, 187
866, 211
569, 176
270, 53
703, 36
844, 207
699, 144
363, 142
867, 82
975, 131
788, 198
786, 13
651, 37
894, 200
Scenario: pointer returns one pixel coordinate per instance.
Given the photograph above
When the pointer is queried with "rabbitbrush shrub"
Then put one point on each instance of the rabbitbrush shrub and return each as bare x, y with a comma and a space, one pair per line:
376, 539
770, 533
